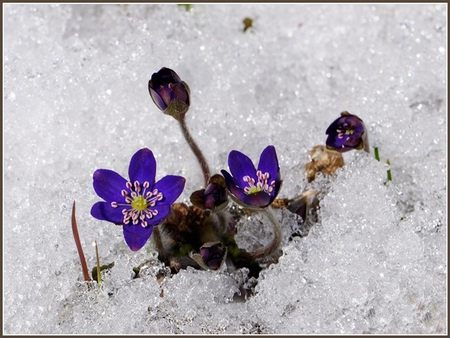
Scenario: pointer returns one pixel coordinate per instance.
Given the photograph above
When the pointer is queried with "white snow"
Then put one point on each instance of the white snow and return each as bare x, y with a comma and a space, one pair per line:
76, 99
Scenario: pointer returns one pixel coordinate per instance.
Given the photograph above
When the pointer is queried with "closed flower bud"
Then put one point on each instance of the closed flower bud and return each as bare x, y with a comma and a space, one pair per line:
212, 255
169, 93
214, 197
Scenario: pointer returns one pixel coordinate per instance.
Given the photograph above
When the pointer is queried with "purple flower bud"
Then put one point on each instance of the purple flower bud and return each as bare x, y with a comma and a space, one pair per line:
212, 255
346, 133
169, 93
214, 197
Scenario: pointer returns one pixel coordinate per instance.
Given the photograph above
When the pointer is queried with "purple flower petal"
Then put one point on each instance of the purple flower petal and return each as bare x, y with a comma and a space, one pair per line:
230, 182
108, 184
103, 211
240, 166
336, 142
171, 187
136, 236
157, 99
142, 167
166, 94
259, 199
179, 93
268, 162
165, 75
163, 212
333, 127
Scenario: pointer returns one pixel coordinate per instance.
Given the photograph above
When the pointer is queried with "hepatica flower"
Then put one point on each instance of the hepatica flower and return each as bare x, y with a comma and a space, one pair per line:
212, 255
169, 93
250, 187
214, 197
138, 203
346, 133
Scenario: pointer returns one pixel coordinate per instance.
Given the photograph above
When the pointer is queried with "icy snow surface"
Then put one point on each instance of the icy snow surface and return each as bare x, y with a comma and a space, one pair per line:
76, 99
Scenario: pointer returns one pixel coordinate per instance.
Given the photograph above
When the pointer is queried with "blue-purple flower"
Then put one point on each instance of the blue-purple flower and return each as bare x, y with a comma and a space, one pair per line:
169, 93
138, 203
250, 187
346, 133
214, 197
212, 256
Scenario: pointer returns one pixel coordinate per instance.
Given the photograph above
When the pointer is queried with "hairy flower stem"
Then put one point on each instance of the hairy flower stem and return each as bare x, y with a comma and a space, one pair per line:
195, 149
276, 241
76, 236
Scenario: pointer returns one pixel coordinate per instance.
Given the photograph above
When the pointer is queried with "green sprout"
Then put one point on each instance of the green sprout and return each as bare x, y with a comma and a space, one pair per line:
187, 6
377, 157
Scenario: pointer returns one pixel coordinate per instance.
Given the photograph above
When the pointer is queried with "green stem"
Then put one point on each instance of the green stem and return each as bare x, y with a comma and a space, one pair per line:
389, 175
76, 236
99, 273
377, 155
276, 241
195, 149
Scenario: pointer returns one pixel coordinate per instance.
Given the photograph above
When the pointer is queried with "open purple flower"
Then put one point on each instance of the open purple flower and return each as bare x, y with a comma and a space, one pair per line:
250, 187
169, 93
137, 204
346, 133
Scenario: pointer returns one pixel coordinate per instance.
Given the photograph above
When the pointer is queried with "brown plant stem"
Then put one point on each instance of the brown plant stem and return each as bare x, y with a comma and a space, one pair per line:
195, 149
365, 137
79, 247
276, 241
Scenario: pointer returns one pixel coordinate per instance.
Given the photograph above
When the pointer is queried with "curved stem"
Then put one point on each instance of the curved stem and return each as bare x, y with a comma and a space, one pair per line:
195, 149
276, 241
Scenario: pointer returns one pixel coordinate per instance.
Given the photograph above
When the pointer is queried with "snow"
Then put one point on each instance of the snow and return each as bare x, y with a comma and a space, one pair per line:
76, 99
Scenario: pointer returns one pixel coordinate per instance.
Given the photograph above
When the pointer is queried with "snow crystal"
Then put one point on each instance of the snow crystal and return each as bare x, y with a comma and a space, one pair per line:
76, 99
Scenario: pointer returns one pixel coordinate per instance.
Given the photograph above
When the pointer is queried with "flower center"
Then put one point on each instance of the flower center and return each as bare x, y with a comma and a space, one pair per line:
261, 185
344, 132
252, 190
139, 203
138, 206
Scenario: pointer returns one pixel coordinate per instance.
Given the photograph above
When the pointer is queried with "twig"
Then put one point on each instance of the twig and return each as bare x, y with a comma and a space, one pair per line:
79, 247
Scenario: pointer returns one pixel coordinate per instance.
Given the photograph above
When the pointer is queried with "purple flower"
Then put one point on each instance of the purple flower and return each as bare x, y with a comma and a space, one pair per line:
169, 93
250, 187
212, 255
346, 133
214, 197
137, 204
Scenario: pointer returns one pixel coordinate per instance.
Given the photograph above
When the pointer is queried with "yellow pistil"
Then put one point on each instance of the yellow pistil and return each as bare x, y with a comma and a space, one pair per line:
252, 190
139, 203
